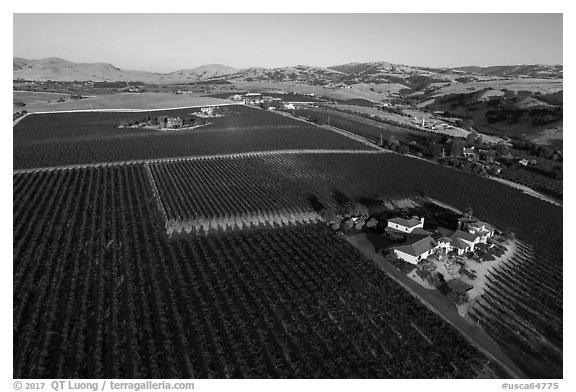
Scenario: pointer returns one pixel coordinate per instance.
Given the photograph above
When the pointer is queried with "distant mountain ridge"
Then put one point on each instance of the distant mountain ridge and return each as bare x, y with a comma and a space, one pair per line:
533, 70
56, 69
413, 77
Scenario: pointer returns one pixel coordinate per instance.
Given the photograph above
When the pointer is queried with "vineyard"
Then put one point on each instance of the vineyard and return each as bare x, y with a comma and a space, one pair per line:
536, 181
368, 128
57, 139
100, 291
280, 187
273, 189
522, 310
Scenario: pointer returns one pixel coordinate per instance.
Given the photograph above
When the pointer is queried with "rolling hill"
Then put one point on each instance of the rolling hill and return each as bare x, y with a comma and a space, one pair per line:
61, 70
501, 100
414, 78
531, 71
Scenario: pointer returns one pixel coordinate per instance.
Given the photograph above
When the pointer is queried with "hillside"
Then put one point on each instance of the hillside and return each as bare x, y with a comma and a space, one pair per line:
301, 74
516, 100
414, 78
504, 112
531, 71
62, 70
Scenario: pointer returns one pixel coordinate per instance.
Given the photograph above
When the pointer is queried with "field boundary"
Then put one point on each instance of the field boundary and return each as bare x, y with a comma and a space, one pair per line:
361, 139
20, 119
342, 132
120, 110
193, 158
156, 193
527, 190
239, 222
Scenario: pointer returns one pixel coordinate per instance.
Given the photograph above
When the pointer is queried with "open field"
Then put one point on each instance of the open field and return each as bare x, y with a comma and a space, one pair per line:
288, 97
334, 93
120, 101
92, 137
545, 86
455, 131
367, 128
36, 99
101, 292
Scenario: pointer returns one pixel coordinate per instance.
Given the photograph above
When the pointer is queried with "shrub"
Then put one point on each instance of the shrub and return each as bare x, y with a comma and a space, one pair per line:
427, 265
399, 263
372, 223
459, 297
436, 279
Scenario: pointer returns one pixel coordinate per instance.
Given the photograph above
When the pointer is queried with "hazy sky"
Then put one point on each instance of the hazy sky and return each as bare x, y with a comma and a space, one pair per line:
167, 42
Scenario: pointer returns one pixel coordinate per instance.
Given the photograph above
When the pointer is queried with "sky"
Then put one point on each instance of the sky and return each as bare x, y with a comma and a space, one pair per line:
169, 42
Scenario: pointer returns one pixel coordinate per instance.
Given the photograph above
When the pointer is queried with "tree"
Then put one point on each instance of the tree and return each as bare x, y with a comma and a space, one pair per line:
557, 172
471, 138
392, 143
434, 149
347, 225
329, 216
458, 296
501, 149
399, 263
372, 223
456, 147
357, 209
403, 149
359, 224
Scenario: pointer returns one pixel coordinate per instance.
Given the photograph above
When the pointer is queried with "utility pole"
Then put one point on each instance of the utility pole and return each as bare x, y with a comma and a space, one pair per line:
381, 142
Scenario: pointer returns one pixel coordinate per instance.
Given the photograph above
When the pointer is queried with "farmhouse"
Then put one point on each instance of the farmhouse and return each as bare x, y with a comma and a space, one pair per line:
400, 228
470, 232
238, 98
462, 242
174, 122
470, 153
481, 229
417, 250
207, 110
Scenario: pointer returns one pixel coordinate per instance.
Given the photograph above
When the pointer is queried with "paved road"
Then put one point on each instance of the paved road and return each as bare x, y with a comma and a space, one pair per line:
348, 134
20, 119
439, 304
361, 139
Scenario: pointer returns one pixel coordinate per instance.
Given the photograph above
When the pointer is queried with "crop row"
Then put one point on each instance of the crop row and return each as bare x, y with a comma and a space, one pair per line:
535, 181
56, 139
81, 234
100, 291
522, 310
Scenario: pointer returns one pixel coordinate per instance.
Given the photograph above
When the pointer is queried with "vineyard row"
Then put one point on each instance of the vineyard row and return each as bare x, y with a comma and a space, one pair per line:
195, 158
